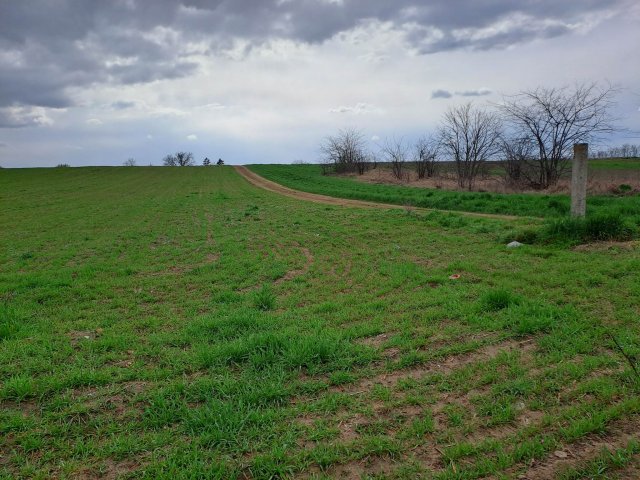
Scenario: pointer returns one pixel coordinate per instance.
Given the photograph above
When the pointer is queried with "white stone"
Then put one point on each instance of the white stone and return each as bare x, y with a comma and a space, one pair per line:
514, 244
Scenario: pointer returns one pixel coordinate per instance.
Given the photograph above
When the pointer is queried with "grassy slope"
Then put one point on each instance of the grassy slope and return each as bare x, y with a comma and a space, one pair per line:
308, 178
131, 342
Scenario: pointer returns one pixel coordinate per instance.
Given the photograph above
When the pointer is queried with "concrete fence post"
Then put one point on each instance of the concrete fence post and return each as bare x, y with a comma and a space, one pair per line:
579, 180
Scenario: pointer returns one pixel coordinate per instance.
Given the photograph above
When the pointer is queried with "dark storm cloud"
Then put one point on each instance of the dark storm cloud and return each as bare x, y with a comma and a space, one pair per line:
49, 47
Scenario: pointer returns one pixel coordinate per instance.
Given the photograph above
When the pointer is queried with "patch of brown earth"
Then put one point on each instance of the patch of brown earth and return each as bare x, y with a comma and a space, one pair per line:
358, 469
601, 181
630, 472
78, 336
109, 470
442, 366
608, 246
291, 274
619, 435
375, 341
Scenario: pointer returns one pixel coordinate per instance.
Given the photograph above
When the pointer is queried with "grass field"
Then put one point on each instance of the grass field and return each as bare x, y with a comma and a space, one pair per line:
615, 163
180, 323
309, 178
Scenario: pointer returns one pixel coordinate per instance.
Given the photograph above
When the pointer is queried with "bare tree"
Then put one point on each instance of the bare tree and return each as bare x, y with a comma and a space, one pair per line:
344, 152
471, 136
395, 152
170, 161
129, 162
179, 159
555, 119
425, 156
517, 153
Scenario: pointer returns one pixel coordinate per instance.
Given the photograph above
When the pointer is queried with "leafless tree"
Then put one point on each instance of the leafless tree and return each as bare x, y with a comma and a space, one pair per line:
557, 118
625, 151
517, 153
129, 162
396, 152
471, 136
179, 159
425, 156
344, 152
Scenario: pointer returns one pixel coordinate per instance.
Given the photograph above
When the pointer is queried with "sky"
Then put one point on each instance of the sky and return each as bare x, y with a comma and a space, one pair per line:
90, 82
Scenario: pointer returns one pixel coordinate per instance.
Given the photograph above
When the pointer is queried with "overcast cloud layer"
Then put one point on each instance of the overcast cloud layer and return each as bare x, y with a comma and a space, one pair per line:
89, 82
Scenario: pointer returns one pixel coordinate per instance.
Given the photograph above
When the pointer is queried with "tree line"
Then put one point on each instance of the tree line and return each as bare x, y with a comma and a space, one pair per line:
624, 151
178, 159
532, 133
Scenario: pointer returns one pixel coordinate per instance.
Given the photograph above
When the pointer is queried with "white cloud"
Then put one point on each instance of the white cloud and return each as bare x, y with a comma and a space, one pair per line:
192, 137
22, 116
94, 122
357, 109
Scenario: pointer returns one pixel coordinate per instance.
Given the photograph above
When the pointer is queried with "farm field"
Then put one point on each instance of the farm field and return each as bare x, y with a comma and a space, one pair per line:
181, 323
309, 178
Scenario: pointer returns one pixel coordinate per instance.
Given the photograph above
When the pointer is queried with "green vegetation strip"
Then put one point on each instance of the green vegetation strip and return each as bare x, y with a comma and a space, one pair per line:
178, 323
309, 178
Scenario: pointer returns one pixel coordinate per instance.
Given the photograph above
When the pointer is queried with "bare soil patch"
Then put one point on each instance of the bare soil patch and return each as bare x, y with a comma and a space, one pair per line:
608, 246
443, 366
584, 450
291, 274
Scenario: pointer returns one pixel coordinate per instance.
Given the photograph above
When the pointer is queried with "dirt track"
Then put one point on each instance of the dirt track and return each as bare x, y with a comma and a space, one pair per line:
262, 182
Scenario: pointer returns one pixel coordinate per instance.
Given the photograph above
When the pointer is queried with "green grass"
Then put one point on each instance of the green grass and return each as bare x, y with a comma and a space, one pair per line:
615, 163
309, 178
180, 323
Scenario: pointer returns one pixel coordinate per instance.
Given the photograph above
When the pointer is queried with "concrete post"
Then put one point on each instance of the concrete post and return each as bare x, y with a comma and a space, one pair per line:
579, 180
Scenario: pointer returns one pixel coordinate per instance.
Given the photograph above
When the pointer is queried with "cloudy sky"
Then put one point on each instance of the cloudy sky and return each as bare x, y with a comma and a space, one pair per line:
90, 82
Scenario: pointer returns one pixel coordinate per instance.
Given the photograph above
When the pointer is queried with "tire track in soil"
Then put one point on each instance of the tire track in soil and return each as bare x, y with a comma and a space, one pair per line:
261, 182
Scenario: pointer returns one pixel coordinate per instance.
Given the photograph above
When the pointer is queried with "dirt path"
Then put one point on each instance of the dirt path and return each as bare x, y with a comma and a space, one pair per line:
262, 182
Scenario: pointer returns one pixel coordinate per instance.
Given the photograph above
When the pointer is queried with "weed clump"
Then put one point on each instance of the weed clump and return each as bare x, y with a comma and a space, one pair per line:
8, 323
600, 227
496, 300
264, 299
573, 231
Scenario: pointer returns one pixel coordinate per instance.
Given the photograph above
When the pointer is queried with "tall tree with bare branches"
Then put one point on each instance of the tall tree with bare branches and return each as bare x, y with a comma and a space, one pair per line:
554, 119
396, 152
471, 136
179, 159
345, 152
